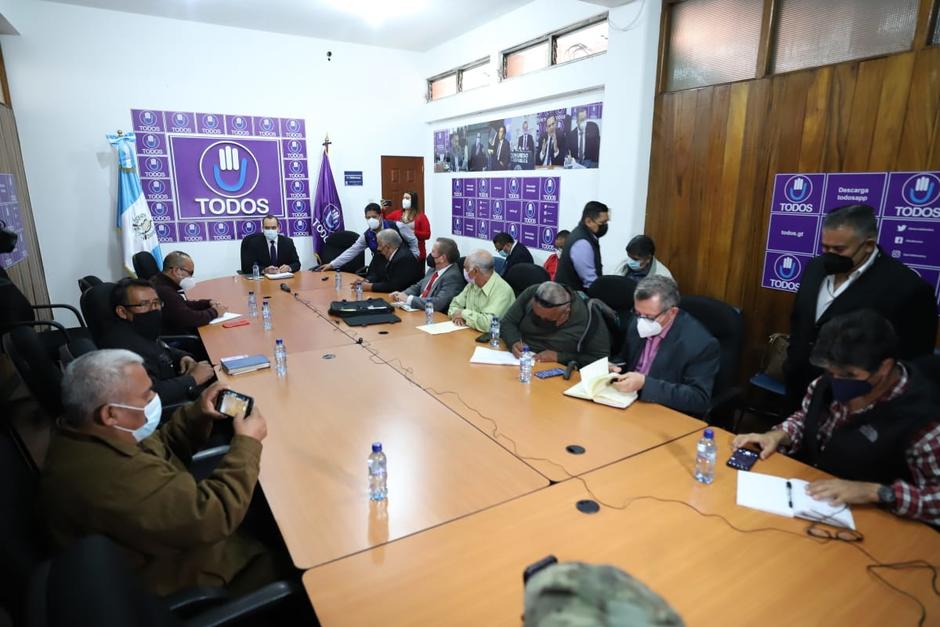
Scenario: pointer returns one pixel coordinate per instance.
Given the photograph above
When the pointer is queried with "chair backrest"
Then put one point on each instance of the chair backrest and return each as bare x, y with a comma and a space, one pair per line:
96, 309
726, 323
14, 306
41, 375
87, 282
145, 266
336, 243
523, 275
615, 290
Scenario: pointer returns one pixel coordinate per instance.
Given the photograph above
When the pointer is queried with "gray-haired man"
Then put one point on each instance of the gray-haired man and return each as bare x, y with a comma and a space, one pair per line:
402, 268
441, 283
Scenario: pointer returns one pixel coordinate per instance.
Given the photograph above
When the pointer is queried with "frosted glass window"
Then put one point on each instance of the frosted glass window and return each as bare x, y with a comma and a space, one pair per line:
474, 77
527, 60
581, 43
444, 86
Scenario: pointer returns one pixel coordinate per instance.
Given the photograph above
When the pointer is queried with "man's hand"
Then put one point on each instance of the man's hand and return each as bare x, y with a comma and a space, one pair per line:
397, 297
187, 364
517, 349
323, 268
457, 318
768, 442
366, 287
208, 398
202, 372
219, 308
270, 270
253, 425
630, 382
548, 356
284, 268
614, 368
841, 492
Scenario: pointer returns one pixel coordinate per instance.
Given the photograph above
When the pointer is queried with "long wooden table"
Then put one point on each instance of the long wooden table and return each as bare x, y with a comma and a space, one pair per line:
469, 572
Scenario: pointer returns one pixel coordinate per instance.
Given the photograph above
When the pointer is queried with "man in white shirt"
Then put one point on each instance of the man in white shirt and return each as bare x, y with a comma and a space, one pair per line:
444, 281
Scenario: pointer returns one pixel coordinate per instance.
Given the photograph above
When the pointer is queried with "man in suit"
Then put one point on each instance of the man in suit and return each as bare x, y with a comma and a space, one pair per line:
457, 157
501, 150
477, 154
853, 273
272, 252
669, 357
176, 376
527, 143
369, 239
182, 315
511, 251
584, 141
401, 270
441, 283
551, 145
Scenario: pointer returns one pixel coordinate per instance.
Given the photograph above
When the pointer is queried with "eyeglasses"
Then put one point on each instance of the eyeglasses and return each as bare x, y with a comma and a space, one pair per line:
650, 318
841, 533
156, 303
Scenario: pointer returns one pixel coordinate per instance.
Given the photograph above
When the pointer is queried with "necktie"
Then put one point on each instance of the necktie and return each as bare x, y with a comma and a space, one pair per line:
548, 153
525, 141
499, 150
580, 145
427, 288
273, 254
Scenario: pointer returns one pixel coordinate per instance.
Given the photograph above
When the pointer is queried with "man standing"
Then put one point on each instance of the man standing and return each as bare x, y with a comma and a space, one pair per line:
501, 150
485, 296
580, 263
180, 315
853, 273
401, 269
527, 144
272, 252
441, 283
511, 251
368, 239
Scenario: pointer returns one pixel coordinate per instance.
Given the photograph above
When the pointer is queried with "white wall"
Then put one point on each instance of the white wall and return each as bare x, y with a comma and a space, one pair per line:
624, 78
76, 72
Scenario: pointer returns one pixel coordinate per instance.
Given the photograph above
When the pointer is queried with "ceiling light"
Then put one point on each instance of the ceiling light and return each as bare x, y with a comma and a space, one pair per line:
377, 12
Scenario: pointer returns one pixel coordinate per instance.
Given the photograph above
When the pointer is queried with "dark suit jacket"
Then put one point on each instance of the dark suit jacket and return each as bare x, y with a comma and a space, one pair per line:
518, 254
400, 272
683, 372
477, 160
502, 161
530, 144
257, 250
592, 142
160, 361
181, 316
888, 286
555, 160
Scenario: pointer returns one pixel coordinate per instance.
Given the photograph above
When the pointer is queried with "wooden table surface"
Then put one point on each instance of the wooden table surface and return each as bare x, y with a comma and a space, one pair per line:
469, 572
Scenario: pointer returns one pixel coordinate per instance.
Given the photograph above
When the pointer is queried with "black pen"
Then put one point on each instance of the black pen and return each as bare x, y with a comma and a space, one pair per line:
790, 494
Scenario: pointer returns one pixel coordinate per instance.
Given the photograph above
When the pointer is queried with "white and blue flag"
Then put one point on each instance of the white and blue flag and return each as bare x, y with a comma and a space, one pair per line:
138, 232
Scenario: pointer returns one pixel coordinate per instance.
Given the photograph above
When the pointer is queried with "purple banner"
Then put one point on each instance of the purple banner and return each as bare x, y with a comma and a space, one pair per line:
10, 216
210, 124
482, 207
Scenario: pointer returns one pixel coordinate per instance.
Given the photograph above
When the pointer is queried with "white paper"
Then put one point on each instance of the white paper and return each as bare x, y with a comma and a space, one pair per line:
768, 493
276, 276
805, 506
228, 315
482, 355
404, 306
441, 327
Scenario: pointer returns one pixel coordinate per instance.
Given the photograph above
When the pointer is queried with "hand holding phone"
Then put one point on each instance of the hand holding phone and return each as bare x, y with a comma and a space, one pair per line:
233, 404
743, 459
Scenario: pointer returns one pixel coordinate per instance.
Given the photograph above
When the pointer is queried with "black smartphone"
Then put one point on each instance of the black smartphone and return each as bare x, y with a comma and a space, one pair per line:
548, 374
233, 404
743, 459
483, 339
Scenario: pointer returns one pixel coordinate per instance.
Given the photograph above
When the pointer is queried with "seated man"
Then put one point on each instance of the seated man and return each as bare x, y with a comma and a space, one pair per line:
641, 260
485, 296
401, 268
512, 251
369, 240
272, 252
110, 471
556, 325
180, 315
176, 375
669, 357
870, 420
441, 283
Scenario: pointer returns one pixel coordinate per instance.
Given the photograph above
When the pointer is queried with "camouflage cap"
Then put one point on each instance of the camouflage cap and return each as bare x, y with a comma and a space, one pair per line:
575, 594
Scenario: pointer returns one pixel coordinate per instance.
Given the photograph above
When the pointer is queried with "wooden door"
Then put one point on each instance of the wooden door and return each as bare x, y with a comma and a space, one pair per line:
400, 175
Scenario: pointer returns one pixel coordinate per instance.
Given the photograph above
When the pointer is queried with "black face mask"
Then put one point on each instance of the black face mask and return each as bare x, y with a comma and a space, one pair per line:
601, 230
836, 264
149, 324
542, 323
8, 239
430, 261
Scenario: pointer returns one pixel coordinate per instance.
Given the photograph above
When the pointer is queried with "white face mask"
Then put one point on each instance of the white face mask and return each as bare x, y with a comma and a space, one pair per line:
188, 283
406, 203
152, 411
466, 277
373, 223
270, 234
648, 328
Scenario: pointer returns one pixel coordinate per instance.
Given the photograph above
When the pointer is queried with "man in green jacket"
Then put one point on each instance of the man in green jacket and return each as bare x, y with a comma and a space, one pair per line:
556, 325
485, 296
110, 471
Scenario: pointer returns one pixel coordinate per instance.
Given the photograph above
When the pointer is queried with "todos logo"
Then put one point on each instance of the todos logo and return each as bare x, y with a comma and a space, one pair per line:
230, 170
513, 186
497, 209
550, 186
210, 121
796, 192
920, 192
530, 210
332, 218
787, 268
548, 237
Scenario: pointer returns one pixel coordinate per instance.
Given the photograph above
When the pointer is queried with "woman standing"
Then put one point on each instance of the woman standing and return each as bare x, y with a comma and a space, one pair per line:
410, 217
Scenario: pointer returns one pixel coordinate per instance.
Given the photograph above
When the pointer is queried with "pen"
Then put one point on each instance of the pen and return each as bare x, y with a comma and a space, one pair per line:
790, 494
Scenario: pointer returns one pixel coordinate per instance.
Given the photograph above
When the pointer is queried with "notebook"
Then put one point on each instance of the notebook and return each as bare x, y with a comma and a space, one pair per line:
788, 497
240, 364
595, 386
277, 276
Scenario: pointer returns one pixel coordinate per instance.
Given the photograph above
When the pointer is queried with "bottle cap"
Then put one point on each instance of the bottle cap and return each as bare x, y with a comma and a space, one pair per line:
525, 347
376, 447
251, 292
709, 434
278, 341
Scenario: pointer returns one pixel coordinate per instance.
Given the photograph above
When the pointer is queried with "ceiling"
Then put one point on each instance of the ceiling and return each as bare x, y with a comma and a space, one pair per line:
407, 24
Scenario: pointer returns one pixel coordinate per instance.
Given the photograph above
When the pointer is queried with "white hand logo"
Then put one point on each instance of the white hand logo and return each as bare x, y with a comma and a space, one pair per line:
798, 185
787, 261
228, 159
921, 184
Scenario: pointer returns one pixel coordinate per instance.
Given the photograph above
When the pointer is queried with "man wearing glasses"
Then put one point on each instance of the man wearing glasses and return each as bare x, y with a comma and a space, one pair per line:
182, 315
176, 375
669, 357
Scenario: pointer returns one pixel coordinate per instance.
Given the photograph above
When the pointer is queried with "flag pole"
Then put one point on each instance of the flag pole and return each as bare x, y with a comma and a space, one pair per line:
326, 144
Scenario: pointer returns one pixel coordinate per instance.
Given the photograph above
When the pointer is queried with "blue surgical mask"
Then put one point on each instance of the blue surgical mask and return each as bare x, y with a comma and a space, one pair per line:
634, 265
503, 254
844, 390
270, 234
152, 412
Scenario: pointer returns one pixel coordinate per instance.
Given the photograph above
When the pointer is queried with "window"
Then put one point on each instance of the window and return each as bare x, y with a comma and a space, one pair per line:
477, 76
527, 60
713, 41
470, 76
811, 33
443, 86
581, 43
575, 42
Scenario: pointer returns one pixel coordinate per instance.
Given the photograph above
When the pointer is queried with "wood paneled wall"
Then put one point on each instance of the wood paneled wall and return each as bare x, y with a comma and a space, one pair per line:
716, 150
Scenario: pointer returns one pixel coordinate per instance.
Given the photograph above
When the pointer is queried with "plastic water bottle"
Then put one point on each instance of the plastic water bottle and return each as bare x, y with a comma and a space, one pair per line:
280, 358
525, 365
338, 281
428, 311
255, 272
705, 453
266, 314
378, 473
358, 291
494, 333
252, 305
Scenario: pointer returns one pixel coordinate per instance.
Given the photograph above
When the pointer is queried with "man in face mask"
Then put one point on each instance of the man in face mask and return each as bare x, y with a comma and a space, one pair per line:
368, 240
182, 315
511, 251
269, 249
441, 283
669, 357
486, 295
401, 268
109, 470
853, 273
871, 420
641, 259
556, 325
175, 374
580, 263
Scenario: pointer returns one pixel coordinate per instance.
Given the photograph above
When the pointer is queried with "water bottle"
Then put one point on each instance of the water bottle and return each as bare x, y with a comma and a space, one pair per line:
255, 272
358, 291
378, 473
428, 311
252, 305
705, 453
280, 358
525, 365
338, 281
494, 333
266, 314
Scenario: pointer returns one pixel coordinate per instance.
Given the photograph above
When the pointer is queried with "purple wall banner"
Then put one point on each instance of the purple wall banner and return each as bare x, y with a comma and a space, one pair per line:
214, 176
907, 205
12, 219
478, 209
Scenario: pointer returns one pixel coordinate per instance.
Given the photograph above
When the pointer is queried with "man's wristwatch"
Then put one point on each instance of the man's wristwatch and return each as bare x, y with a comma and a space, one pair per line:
886, 496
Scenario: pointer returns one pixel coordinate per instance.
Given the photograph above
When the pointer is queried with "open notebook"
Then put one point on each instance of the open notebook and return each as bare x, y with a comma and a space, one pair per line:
595, 386
788, 497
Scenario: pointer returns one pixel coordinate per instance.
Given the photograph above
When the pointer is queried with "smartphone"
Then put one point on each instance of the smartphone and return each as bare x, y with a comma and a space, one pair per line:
483, 339
743, 459
548, 374
233, 404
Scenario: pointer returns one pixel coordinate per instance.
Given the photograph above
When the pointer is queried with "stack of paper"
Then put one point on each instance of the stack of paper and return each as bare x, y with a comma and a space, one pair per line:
595, 386
228, 315
788, 497
277, 276
441, 327
482, 355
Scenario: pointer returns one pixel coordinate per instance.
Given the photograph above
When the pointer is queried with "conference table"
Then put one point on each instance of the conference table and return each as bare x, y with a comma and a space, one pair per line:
484, 475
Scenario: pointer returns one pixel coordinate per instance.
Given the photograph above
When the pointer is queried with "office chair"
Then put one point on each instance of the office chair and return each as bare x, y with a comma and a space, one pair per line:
16, 308
335, 244
615, 291
87, 282
523, 275
39, 372
145, 266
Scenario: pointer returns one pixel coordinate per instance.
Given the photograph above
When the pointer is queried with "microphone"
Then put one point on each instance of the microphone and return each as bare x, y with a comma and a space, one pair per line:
570, 368
285, 288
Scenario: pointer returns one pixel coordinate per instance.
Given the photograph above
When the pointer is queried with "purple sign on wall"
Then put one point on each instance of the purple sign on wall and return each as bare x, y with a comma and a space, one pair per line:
526, 208
11, 217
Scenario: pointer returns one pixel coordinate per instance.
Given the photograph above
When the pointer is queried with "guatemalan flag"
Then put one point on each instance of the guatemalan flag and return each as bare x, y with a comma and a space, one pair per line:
327, 210
133, 216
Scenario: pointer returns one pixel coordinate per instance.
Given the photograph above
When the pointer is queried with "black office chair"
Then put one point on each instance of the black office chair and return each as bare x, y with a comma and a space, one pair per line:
524, 275
929, 365
145, 266
39, 372
87, 282
726, 324
615, 290
335, 244
16, 308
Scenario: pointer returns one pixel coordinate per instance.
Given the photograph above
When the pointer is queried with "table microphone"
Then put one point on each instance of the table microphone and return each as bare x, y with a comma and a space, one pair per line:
285, 287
